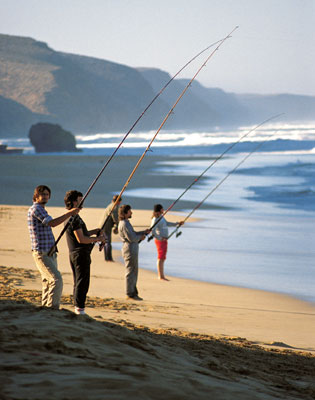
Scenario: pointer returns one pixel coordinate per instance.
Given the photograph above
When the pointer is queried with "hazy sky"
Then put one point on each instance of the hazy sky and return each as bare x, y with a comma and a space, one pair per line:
273, 51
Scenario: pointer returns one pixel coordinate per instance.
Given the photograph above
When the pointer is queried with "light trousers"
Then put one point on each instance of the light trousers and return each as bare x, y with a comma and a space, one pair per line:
130, 255
51, 278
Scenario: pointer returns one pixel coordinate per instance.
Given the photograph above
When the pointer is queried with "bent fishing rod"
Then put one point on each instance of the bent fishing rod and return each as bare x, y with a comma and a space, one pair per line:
160, 127
207, 169
215, 188
53, 248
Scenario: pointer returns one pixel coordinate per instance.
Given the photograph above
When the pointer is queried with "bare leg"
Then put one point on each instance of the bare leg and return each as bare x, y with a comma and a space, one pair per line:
160, 268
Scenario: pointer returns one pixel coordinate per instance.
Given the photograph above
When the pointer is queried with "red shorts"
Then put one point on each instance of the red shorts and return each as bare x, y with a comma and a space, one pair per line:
161, 246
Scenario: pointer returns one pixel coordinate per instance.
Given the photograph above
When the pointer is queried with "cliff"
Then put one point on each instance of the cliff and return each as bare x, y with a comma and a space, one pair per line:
83, 94
88, 95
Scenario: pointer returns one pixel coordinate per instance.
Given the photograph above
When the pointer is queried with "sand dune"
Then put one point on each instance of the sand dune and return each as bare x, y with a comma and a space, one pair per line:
58, 355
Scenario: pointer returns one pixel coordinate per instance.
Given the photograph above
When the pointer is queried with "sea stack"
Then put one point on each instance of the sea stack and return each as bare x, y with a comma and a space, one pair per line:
47, 138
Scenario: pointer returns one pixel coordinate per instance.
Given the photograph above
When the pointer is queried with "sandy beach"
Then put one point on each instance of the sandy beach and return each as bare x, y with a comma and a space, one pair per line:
187, 339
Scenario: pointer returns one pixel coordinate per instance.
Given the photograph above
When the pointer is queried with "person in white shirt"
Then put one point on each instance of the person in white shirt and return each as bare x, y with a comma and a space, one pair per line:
160, 234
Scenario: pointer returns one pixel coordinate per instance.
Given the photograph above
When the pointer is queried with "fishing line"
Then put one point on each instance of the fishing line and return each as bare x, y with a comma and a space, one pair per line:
162, 124
207, 169
54, 247
216, 187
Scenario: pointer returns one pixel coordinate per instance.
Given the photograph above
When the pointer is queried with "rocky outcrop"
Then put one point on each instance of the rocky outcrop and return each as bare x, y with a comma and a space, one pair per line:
47, 138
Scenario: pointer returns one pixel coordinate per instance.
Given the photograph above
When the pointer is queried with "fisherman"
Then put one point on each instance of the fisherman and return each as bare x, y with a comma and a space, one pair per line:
42, 240
130, 250
109, 223
217, 44
80, 243
160, 233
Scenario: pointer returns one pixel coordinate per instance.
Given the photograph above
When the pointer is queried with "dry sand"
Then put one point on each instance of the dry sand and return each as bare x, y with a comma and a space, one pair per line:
186, 340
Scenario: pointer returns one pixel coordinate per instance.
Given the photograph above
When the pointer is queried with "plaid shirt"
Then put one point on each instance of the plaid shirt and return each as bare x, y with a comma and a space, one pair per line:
42, 238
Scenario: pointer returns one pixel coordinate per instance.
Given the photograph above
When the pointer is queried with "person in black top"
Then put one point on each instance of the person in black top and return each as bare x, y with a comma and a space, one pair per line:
80, 243
111, 225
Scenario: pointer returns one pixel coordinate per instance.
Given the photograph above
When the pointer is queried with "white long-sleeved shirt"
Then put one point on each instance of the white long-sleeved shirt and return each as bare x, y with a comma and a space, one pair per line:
160, 231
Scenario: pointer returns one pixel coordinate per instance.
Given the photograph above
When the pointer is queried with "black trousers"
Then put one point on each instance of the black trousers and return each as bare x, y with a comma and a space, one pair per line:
80, 262
108, 247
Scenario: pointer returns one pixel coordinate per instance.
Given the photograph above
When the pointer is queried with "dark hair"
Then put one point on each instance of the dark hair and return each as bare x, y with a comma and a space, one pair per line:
123, 210
70, 197
115, 197
157, 207
39, 190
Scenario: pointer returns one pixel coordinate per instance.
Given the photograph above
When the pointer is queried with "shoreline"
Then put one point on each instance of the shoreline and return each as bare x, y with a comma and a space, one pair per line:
268, 318
228, 222
172, 216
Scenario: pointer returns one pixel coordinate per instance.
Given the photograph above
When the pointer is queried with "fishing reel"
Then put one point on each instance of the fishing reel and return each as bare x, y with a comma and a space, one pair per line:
178, 234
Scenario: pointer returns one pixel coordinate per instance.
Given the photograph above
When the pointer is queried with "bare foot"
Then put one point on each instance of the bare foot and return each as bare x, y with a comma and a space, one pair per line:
163, 279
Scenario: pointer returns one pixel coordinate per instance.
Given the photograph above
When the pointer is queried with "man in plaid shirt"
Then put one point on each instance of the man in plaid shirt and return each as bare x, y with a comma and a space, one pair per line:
42, 239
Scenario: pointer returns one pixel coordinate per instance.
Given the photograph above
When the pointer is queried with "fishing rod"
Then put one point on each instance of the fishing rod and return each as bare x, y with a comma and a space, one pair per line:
53, 248
162, 124
215, 188
207, 169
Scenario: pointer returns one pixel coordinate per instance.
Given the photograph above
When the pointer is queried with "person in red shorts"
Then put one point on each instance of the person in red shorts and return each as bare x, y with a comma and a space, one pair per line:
160, 234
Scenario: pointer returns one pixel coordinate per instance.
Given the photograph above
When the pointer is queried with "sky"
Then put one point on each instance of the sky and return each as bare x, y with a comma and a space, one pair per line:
272, 51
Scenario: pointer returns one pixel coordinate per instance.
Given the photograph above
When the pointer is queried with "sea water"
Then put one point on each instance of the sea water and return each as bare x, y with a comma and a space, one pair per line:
258, 241
260, 231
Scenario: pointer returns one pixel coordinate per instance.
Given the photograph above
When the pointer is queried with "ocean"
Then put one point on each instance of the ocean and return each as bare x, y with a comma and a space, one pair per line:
256, 230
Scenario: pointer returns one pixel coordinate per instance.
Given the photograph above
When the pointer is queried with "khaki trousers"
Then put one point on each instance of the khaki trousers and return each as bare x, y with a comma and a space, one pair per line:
51, 278
130, 254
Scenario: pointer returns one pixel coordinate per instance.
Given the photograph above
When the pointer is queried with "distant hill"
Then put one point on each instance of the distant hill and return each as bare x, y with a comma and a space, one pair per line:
89, 95
83, 94
192, 111
230, 109
201, 108
297, 108
15, 118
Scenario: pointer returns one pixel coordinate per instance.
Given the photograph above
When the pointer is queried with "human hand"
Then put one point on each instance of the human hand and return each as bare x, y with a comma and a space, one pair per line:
74, 211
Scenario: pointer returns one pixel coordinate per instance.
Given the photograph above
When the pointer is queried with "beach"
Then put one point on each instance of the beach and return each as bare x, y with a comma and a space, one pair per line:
187, 339
235, 320
242, 239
